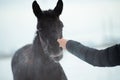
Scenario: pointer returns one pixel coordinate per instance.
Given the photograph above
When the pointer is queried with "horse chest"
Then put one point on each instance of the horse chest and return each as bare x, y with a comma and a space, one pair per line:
48, 70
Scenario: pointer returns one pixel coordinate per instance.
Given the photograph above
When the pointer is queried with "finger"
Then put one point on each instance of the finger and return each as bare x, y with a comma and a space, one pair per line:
59, 40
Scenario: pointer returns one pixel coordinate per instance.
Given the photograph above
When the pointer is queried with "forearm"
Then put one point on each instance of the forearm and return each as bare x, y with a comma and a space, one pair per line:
85, 53
93, 56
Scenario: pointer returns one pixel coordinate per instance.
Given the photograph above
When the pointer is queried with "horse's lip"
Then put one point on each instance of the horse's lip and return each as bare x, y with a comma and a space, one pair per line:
56, 55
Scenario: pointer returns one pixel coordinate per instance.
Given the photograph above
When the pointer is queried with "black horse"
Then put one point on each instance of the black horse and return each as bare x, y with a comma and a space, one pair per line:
39, 61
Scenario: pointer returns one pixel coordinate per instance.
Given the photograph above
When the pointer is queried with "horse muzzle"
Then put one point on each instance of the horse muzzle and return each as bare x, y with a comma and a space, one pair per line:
57, 57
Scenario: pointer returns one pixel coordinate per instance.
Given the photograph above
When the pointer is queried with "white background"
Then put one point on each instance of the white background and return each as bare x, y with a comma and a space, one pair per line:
95, 23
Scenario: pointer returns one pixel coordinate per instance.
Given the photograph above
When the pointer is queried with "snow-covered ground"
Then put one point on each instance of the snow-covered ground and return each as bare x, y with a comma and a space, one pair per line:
5, 69
74, 68
95, 23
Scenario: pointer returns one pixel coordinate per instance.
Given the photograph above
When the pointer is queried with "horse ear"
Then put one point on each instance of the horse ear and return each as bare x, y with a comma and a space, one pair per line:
59, 7
36, 9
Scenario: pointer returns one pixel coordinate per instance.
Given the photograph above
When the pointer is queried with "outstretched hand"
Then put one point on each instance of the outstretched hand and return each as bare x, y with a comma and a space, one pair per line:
62, 43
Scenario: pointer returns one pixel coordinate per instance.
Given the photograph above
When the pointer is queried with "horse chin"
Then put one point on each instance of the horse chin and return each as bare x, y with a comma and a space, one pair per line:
57, 57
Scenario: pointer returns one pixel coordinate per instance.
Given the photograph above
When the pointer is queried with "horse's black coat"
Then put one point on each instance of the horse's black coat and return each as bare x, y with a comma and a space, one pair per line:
39, 61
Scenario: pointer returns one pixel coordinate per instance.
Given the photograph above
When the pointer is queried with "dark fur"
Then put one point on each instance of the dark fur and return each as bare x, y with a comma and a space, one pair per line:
39, 61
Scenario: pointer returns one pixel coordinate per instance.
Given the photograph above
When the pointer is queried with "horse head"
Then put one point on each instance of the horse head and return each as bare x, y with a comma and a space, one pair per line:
49, 28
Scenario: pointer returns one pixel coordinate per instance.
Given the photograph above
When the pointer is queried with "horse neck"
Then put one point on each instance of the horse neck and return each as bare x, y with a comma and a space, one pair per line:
38, 49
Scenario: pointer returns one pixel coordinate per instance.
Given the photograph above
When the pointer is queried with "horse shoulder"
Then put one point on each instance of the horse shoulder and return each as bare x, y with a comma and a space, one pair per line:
22, 55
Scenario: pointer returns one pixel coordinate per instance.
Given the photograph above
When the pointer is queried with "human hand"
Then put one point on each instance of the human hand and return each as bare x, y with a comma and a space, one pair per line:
62, 43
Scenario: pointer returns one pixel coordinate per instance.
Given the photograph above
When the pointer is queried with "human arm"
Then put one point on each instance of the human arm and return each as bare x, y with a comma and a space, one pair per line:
105, 57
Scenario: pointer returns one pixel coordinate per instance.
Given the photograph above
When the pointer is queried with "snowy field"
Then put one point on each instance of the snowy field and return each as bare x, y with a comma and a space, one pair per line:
95, 23
74, 68
5, 69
